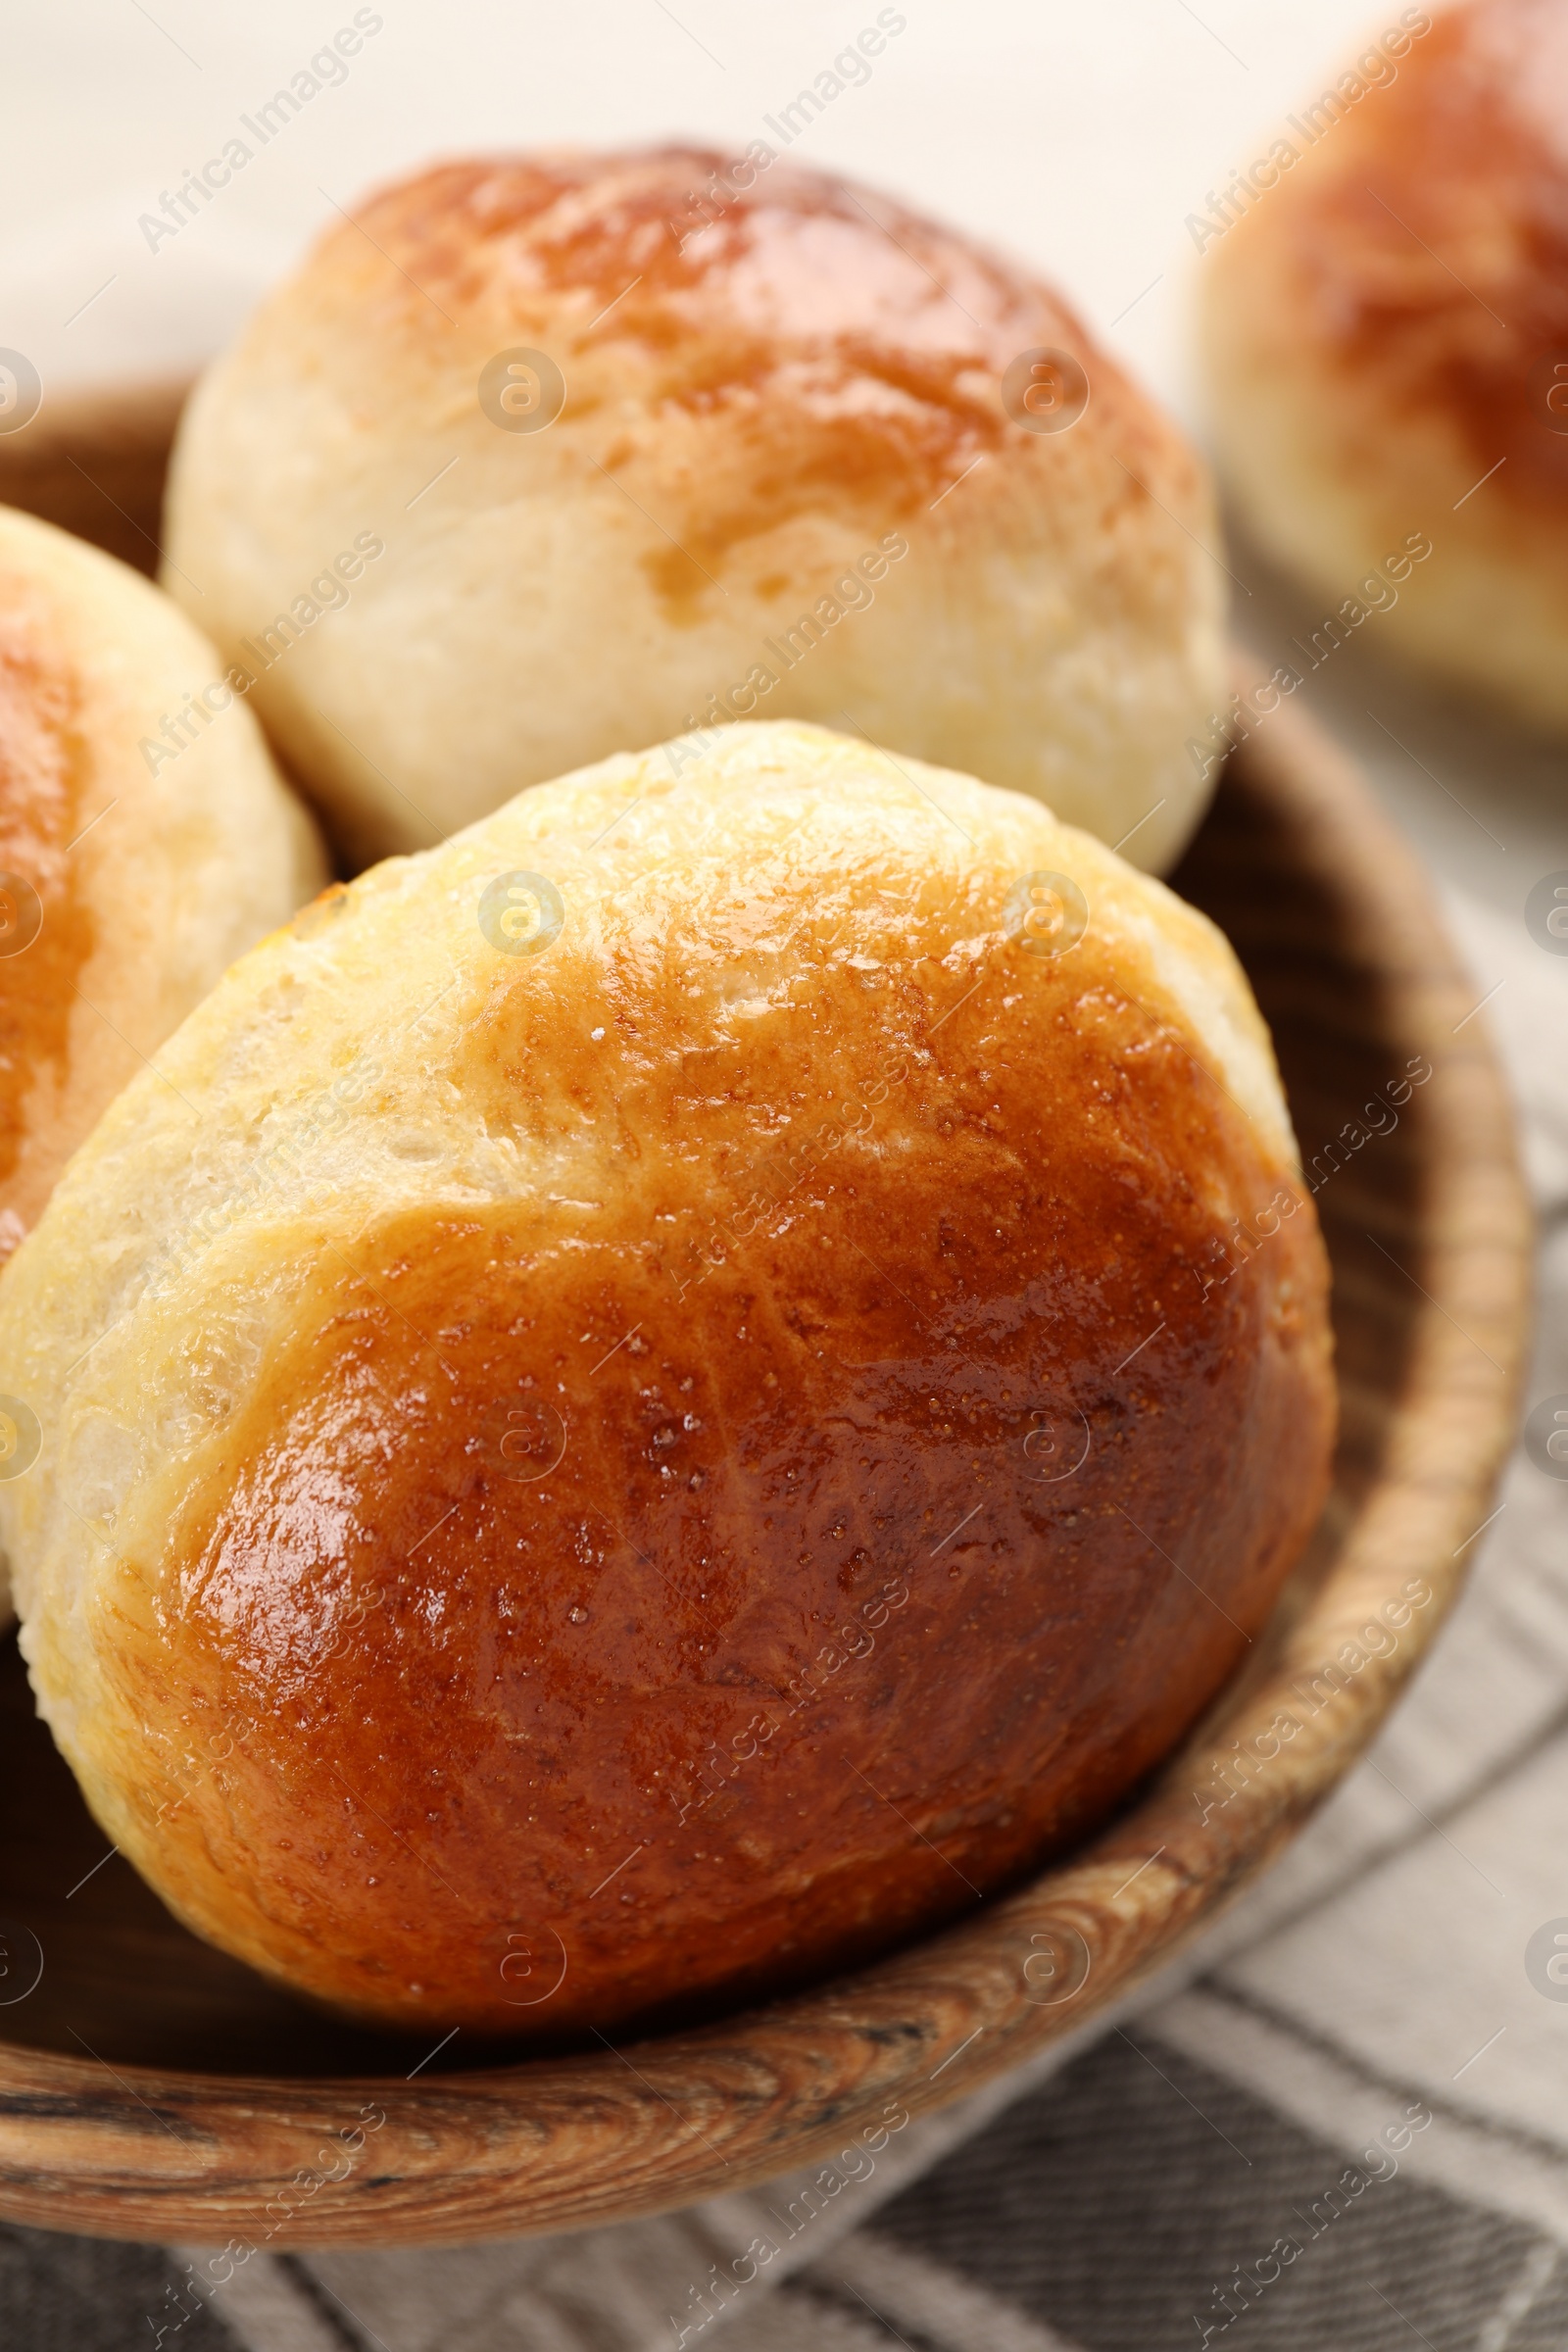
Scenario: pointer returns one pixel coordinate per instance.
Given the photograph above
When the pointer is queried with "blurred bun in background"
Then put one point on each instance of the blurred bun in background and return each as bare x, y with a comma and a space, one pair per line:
539, 459
1387, 344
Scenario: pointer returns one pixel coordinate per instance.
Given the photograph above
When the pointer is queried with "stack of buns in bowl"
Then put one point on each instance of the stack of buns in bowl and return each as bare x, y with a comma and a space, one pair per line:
660, 1392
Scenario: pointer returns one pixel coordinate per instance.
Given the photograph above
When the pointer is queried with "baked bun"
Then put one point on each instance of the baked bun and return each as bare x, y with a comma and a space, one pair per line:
786, 480
145, 842
1387, 336
669, 1392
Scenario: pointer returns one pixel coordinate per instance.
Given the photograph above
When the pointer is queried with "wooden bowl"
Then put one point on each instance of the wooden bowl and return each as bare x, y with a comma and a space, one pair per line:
152, 2088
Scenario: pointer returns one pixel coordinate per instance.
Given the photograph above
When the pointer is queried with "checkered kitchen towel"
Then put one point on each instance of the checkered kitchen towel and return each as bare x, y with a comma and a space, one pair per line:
1341, 2127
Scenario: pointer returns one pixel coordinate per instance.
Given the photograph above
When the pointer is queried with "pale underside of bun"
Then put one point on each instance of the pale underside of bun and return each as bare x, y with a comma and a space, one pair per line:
677, 1335
784, 481
1386, 354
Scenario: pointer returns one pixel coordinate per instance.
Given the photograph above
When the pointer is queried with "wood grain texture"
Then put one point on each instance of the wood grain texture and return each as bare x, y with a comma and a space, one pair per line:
95, 464
152, 2088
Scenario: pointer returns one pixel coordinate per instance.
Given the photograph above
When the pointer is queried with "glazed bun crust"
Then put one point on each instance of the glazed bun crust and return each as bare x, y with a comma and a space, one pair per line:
1389, 325
649, 1469
783, 482
126, 892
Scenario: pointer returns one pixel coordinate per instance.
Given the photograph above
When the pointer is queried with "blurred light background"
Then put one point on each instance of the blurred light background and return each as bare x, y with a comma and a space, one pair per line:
1080, 137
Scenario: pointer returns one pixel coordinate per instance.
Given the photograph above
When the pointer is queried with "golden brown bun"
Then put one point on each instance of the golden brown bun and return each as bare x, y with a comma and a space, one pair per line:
783, 454
1389, 325
131, 877
677, 1453
125, 887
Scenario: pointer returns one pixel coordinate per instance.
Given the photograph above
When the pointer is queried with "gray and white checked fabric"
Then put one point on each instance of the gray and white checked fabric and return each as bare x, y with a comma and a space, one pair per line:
1341, 2126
